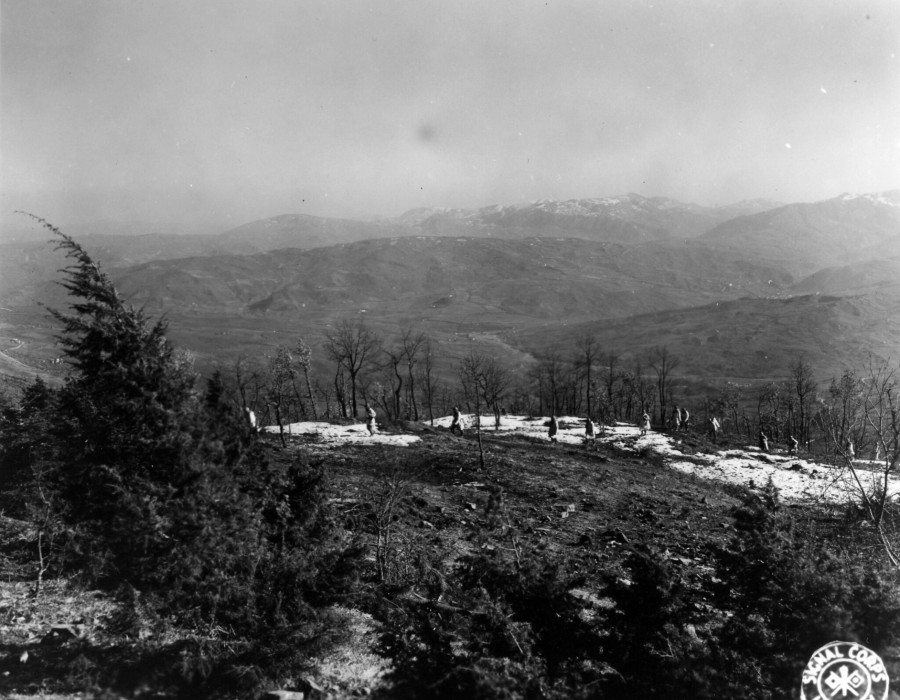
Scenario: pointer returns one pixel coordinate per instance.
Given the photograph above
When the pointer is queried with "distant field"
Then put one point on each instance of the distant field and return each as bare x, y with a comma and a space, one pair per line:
28, 347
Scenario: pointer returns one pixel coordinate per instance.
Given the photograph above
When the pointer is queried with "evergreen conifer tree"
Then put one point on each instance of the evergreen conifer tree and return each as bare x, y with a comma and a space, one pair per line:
171, 491
25, 439
129, 398
128, 430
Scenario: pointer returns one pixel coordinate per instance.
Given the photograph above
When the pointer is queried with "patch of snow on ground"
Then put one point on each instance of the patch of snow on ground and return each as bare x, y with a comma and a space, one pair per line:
797, 479
356, 434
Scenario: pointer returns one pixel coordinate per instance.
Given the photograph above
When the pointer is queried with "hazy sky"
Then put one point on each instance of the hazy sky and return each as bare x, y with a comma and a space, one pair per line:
226, 111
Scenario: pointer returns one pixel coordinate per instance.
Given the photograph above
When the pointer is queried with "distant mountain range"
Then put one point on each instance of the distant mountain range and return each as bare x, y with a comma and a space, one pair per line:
728, 287
629, 218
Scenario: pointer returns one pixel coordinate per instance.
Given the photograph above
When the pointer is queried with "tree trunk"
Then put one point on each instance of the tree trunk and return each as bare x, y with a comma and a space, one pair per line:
353, 394
339, 393
478, 432
397, 392
309, 392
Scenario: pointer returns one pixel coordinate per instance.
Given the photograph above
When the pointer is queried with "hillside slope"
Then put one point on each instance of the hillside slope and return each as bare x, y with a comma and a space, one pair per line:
539, 278
742, 340
804, 238
26, 259
876, 276
461, 291
727, 319
515, 295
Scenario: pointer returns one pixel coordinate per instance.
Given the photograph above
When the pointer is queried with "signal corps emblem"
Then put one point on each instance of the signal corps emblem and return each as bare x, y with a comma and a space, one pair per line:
845, 671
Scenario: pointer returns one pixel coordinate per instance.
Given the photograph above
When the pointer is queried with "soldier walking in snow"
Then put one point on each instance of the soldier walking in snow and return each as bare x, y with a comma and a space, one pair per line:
554, 429
685, 419
793, 445
763, 442
645, 423
589, 433
714, 428
251, 417
370, 420
456, 425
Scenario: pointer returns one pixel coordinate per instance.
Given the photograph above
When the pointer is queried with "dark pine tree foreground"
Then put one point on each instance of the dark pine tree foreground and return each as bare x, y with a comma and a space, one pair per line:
166, 488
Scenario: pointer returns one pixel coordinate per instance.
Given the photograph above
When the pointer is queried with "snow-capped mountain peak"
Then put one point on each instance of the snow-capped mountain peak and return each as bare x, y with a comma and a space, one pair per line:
889, 198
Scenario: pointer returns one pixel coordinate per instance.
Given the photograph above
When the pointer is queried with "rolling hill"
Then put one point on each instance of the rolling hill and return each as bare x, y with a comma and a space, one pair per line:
733, 302
874, 276
461, 277
804, 238
742, 341
460, 290
626, 219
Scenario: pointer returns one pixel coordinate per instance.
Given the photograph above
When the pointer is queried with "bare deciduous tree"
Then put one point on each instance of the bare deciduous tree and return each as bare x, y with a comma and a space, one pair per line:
429, 378
352, 345
872, 403
280, 386
395, 358
412, 342
303, 358
587, 353
769, 401
484, 381
729, 403
804, 389
549, 375
249, 382
663, 363
644, 389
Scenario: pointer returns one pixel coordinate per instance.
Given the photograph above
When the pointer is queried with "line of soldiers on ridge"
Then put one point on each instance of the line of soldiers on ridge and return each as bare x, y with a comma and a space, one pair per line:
681, 420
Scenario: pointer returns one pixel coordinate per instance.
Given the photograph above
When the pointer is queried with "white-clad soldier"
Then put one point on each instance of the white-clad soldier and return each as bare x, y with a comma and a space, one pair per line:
251, 417
793, 446
645, 423
370, 420
456, 426
554, 429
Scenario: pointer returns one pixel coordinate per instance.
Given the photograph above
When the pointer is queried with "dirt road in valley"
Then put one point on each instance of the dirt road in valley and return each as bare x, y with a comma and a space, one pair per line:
9, 365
